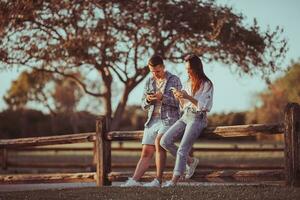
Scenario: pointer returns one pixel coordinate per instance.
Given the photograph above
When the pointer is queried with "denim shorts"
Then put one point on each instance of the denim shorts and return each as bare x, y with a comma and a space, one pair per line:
155, 126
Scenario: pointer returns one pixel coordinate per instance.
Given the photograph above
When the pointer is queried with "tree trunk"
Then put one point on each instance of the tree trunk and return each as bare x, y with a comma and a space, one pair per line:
129, 86
107, 79
120, 110
107, 105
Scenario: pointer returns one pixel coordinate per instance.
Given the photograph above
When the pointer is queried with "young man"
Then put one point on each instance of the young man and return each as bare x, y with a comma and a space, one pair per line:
163, 111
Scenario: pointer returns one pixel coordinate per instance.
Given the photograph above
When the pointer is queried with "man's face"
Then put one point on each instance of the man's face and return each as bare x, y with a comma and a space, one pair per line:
157, 71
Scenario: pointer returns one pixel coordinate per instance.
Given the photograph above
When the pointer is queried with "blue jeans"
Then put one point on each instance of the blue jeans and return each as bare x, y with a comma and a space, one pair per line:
189, 127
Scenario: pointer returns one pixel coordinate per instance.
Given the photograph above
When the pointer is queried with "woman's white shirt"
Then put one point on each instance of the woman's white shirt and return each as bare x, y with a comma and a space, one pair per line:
204, 96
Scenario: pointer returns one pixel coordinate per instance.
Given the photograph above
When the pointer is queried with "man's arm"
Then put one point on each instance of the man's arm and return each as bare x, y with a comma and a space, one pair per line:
170, 100
145, 104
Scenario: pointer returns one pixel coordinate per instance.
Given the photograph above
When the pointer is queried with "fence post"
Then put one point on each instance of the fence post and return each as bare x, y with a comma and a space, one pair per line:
292, 144
103, 152
4, 158
94, 153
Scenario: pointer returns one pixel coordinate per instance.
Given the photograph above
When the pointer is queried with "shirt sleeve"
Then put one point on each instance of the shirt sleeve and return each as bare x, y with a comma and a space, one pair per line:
168, 98
145, 104
205, 97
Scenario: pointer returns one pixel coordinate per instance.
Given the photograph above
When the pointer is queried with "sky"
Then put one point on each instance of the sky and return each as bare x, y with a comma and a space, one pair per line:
231, 92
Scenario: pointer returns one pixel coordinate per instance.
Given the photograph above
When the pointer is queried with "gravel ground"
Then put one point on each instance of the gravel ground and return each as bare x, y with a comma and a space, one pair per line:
224, 192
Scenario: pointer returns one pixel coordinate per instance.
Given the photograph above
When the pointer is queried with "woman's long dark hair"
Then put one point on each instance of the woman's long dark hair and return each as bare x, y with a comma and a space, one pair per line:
197, 76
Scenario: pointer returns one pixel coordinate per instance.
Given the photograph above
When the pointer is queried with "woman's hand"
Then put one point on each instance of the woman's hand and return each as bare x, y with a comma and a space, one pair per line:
181, 94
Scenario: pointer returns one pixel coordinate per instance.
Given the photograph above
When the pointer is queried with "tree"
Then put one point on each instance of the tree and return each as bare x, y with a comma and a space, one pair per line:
114, 38
30, 86
283, 90
227, 119
57, 95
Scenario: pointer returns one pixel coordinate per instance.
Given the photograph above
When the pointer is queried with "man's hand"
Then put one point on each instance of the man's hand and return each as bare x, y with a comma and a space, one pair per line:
151, 97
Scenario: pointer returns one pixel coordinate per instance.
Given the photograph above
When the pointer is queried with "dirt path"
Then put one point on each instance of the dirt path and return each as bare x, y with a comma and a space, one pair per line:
209, 192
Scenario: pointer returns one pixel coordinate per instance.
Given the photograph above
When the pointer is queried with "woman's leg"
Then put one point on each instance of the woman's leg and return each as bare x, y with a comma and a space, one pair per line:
168, 139
191, 133
144, 162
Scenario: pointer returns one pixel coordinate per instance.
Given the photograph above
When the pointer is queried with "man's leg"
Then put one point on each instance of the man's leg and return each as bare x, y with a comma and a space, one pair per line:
144, 162
160, 158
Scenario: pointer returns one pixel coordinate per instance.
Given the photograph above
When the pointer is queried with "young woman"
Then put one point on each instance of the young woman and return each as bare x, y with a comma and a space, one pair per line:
196, 101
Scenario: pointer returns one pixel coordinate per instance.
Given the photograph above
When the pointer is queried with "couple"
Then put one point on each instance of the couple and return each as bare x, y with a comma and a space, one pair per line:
163, 97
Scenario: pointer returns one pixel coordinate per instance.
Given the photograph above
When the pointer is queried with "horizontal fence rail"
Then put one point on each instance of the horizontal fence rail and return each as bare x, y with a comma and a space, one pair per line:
49, 178
49, 140
209, 133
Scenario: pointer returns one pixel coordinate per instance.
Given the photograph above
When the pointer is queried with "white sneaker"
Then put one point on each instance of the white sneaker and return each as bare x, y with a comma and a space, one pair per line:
190, 170
131, 183
169, 184
154, 183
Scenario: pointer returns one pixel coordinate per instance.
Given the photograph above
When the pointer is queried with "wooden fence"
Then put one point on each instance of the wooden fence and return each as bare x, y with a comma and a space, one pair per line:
6, 145
102, 153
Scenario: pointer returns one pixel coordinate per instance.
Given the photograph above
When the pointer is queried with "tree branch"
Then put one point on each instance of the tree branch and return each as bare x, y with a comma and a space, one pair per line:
118, 74
79, 82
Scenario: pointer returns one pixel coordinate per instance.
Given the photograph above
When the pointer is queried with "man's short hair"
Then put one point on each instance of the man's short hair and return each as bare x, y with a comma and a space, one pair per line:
155, 60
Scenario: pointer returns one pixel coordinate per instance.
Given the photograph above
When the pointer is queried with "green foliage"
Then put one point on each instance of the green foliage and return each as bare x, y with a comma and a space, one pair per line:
28, 87
290, 83
66, 95
274, 99
56, 94
223, 119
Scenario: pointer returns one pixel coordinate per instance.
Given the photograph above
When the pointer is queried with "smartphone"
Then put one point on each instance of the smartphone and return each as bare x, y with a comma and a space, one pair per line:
173, 89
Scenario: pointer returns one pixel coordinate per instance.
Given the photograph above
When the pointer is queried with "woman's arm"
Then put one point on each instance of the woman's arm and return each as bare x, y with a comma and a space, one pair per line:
191, 99
202, 100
